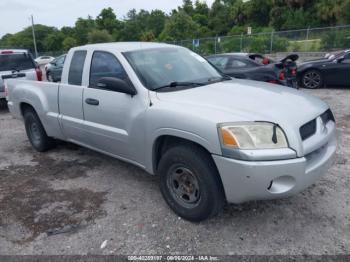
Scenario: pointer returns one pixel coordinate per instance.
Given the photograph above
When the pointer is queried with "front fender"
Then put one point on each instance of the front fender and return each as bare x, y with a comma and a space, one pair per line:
195, 138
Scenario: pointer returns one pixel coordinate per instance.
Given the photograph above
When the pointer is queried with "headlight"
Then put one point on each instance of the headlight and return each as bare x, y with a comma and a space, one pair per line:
252, 135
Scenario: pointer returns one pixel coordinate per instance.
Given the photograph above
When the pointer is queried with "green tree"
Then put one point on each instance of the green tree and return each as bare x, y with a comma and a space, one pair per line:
54, 41
180, 26
82, 29
99, 36
69, 43
107, 20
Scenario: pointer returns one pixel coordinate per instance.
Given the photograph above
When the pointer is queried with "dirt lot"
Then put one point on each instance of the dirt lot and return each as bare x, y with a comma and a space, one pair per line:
70, 200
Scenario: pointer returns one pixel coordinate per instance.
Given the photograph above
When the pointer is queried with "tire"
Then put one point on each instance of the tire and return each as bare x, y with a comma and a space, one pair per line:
3, 104
36, 133
190, 166
312, 79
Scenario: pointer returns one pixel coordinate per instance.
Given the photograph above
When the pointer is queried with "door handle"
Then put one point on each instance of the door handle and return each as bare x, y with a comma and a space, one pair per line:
91, 101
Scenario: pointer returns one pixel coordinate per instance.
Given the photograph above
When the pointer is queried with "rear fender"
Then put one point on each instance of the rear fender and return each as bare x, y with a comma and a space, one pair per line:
44, 101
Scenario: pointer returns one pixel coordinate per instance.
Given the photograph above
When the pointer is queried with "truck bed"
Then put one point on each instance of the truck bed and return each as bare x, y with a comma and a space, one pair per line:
42, 96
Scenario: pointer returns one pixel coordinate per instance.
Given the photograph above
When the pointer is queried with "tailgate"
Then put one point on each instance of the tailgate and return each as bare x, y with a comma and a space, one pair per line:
25, 74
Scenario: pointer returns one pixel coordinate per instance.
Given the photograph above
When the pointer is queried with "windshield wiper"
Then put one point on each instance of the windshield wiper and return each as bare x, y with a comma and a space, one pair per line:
219, 79
176, 84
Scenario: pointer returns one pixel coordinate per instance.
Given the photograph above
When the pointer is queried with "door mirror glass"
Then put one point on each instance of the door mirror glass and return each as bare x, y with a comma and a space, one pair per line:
116, 85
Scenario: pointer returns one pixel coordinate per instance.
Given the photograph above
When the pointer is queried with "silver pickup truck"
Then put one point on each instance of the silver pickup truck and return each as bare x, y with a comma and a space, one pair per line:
210, 138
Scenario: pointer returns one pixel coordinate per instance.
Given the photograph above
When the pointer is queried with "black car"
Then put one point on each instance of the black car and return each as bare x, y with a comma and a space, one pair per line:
257, 67
54, 69
331, 71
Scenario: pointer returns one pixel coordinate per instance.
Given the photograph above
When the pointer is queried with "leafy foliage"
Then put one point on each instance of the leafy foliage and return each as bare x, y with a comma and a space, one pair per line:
195, 19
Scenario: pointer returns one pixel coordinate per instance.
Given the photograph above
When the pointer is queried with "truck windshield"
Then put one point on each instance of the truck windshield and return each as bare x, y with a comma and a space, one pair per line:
162, 67
11, 62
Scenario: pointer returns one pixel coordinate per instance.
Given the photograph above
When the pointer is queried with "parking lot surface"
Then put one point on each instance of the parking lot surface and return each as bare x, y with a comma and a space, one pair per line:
72, 200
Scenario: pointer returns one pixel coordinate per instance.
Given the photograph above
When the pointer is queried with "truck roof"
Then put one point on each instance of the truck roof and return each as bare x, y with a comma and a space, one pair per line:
13, 51
124, 46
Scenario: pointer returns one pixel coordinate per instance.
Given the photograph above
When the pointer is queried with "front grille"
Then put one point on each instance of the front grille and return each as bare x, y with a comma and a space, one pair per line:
327, 116
308, 130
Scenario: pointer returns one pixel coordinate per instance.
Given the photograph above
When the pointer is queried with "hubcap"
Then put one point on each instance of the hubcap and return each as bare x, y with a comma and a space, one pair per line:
312, 79
35, 133
184, 186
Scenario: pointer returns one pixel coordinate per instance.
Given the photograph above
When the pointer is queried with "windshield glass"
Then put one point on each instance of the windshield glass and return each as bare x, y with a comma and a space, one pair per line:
162, 66
10, 62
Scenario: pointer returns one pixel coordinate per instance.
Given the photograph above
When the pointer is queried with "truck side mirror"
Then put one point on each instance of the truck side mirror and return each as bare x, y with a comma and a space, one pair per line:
117, 85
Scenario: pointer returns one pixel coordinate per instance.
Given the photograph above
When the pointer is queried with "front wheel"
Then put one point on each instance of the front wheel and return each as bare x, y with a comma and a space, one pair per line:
312, 79
190, 183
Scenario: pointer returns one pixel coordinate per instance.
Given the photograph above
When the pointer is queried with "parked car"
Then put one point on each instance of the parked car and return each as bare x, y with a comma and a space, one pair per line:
257, 67
210, 138
331, 71
43, 60
16, 63
54, 69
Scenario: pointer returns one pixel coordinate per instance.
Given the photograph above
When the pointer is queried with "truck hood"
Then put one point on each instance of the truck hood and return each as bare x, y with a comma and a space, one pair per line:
245, 100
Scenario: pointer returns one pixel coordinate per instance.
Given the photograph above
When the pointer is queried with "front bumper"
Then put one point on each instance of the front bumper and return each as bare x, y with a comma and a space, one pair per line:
258, 180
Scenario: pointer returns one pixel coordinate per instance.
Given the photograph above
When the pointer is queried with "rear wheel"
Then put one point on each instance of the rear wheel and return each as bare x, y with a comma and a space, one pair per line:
36, 132
190, 183
312, 79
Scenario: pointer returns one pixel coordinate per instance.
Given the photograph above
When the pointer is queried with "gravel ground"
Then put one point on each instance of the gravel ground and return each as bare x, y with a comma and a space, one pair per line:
74, 201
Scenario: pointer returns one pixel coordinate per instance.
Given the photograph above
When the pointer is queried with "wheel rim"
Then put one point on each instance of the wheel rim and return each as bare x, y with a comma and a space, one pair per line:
35, 133
184, 186
312, 79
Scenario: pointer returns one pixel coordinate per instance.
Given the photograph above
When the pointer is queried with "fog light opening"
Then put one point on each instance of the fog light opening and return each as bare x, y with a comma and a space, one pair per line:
270, 185
281, 185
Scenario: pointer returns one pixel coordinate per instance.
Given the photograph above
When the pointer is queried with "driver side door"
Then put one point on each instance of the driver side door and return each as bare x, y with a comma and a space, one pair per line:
109, 114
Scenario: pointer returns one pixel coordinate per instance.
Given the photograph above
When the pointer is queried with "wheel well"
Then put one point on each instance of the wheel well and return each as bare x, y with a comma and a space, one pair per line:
163, 143
25, 106
311, 69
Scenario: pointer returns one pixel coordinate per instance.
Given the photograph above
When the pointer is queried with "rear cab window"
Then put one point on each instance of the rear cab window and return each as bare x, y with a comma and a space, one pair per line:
77, 67
16, 62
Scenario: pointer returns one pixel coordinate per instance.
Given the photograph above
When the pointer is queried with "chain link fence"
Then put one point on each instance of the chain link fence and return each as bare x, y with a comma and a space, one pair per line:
44, 53
304, 40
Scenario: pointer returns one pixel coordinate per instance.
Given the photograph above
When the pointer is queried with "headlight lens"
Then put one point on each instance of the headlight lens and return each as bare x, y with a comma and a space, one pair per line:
252, 135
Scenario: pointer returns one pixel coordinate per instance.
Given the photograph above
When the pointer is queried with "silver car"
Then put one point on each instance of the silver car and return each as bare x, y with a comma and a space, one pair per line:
210, 138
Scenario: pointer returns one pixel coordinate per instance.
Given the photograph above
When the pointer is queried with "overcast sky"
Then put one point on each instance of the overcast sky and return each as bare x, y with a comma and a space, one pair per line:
14, 14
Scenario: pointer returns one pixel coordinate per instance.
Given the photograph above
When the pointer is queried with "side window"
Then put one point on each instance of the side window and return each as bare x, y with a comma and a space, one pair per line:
347, 56
238, 63
105, 65
60, 60
219, 62
76, 68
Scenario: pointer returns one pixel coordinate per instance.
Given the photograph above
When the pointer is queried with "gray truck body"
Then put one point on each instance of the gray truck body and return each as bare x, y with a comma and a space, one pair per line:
128, 127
